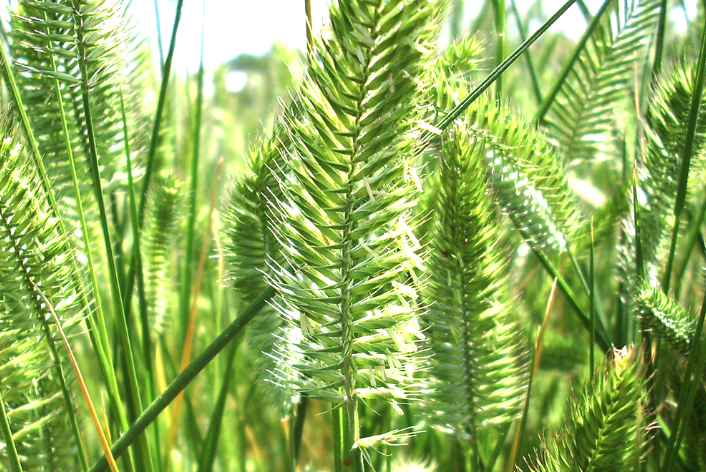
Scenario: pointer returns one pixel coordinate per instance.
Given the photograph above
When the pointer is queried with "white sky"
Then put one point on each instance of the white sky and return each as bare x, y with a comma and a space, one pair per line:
232, 27
250, 26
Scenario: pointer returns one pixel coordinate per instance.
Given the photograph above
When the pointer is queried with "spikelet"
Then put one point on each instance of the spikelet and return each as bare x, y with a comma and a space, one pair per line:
478, 357
35, 264
607, 425
162, 215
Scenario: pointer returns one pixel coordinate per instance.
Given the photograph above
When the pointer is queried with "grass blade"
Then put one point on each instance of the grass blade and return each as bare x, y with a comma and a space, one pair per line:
499, 70
185, 377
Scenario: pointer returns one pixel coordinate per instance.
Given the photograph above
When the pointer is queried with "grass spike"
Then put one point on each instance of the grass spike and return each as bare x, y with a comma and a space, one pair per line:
582, 111
161, 218
526, 176
664, 132
606, 423
473, 334
36, 388
344, 217
666, 319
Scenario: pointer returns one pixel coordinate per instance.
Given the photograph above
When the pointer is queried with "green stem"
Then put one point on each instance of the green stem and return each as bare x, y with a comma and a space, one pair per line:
12, 455
160, 47
309, 26
186, 289
298, 429
185, 377
659, 40
592, 307
354, 434
337, 428
693, 235
497, 72
123, 334
154, 142
147, 348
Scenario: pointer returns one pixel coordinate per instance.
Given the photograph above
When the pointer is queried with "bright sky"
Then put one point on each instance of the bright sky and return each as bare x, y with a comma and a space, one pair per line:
232, 27
250, 26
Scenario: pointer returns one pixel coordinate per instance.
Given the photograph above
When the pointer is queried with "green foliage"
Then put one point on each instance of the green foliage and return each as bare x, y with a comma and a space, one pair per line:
393, 247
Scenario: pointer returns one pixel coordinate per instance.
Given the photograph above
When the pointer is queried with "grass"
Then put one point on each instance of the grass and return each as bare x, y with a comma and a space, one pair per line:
403, 272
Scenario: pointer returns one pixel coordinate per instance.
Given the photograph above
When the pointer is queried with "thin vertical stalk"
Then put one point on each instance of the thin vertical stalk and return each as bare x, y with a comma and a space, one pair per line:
298, 429
12, 455
354, 434
337, 427
191, 327
693, 235
154, 142
591, 306
160, 46
530, 63
659, 39
639, 258
309, 28
500, 10
147, 348
193, 190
